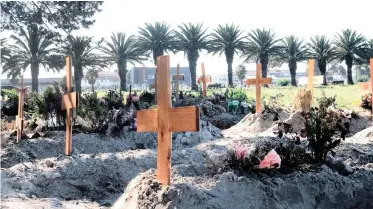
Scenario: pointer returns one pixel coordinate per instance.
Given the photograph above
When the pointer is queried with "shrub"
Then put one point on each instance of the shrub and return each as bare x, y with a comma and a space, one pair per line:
94, 111
363, 78
114, 100
237, 94
10, 102
283, 82
325, 128
366, 101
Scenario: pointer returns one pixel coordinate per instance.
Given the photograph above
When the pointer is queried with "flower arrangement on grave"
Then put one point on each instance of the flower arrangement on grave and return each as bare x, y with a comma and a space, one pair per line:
366, 101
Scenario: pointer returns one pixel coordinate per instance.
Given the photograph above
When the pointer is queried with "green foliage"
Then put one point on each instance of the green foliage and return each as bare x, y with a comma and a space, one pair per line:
238, 94
10, 102
363, 78
94, 112
366, 101
283, 82
114, 100
325, 128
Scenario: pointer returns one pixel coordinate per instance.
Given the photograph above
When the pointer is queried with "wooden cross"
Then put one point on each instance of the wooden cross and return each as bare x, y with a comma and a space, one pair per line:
69, 102
21, 102
177, 78
165, 119
311, 74
258, 81
204, 79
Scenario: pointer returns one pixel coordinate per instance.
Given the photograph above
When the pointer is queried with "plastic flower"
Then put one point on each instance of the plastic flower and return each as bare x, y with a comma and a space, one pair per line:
241, 152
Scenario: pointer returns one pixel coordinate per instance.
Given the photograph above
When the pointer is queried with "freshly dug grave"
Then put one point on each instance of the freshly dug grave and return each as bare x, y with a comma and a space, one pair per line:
198, 189
36, 173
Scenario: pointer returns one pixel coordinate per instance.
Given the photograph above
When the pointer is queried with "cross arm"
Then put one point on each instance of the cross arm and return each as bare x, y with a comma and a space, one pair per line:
70, 100
181, 119
262, 81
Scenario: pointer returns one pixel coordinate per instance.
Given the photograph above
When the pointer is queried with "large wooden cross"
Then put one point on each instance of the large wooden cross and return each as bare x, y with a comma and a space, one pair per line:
165, 119
69, 102
258, 81
204, 79
21, 102
312, 79
177, 78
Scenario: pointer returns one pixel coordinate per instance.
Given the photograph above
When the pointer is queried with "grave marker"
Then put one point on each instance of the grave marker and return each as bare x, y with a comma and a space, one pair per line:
21, 102
165, 119
311, 74
258, 81
177, 78
69, 102
204, 79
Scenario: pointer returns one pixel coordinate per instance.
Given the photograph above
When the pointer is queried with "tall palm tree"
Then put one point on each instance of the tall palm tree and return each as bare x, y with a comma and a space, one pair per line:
122, 50
32, 48
349, 45
5, 51
261, 44
228, 39
83, 56
158, 39
91, 76
241, 73
192, 39
294, 50
322, 50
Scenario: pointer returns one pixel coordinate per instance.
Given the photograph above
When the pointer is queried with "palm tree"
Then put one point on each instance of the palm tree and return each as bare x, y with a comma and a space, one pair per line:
157, 39
91, 76
261, 44
241, 73
5, 51
83, 56
192, 39
322, 50
227, 39
349, 45
294, 50
122, 50
33, 48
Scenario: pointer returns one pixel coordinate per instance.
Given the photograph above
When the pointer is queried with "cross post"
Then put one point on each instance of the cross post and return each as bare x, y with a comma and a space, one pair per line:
165, 119
258, 81
311, 74
204, 79
69, 102
20, 116
177, 78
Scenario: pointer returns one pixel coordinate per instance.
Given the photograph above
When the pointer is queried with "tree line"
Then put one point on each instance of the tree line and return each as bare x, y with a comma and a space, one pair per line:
37, 45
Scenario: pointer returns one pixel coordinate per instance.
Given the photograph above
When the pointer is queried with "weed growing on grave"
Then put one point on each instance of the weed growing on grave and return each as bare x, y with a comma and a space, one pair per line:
238, 94
9, 104
147, 99
94, 111
325, 128
366, 101
283, 82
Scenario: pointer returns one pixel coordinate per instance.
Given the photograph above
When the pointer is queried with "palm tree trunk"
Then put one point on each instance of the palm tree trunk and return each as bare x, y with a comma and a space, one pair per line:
122, 71
349, 74
264, 61
35, 74
78, 76
241, 82
293, 72
322, 67
93, 88
193, 73
230, 70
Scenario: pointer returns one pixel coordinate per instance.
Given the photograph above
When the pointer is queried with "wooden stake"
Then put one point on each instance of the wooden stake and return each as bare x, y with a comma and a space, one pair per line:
20, 116
258, 81
311, 74
204, 79
166, 119
69, 102
177, 78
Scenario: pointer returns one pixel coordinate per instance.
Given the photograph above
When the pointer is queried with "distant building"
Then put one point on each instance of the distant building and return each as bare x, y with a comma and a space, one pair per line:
142, 77
105, 81
43, 82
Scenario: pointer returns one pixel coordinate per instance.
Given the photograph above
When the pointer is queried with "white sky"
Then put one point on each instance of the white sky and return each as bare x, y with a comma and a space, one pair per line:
286, 17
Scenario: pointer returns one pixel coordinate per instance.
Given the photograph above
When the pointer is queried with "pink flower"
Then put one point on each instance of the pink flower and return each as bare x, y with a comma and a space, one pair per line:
271, 160
241, 152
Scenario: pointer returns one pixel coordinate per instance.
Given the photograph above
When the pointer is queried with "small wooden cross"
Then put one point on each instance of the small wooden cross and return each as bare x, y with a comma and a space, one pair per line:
204, 79
21, 102
165, 119
258, 81
177, 78
69, 102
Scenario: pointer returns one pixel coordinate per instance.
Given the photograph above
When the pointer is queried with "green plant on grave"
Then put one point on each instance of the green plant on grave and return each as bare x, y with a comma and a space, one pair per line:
9, 104
325, 128
366, 101
114, 99
49, 106
94, 112
283, 82
237, 94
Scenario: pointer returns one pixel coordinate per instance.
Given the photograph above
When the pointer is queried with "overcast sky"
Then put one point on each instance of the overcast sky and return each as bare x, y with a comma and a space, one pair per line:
285, 17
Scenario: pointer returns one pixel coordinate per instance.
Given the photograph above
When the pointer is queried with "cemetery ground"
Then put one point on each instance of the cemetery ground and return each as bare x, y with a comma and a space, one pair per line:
115, 167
